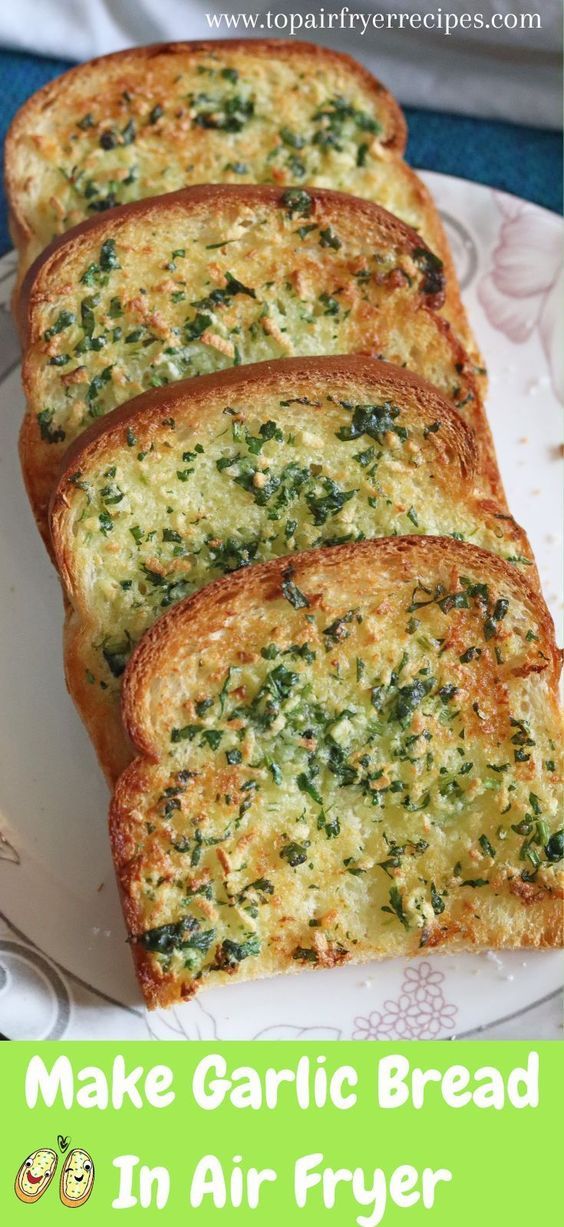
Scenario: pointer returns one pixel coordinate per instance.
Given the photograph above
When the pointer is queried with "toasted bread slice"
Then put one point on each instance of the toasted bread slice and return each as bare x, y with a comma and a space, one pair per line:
155, 119
212, 277
350, 754
183, 484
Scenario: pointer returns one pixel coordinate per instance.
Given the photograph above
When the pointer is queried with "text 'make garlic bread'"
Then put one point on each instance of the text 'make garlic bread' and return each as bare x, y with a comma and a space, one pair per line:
350, 754
215, 277
187, 483
156, 119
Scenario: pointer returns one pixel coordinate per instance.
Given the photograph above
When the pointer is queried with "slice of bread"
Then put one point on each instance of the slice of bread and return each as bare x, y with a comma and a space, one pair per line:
155, 119
212, 277
346, 755
184, 484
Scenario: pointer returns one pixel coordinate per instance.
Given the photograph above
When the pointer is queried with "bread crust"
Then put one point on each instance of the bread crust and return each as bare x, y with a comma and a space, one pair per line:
190, 402
204, 389
518, 913
40, 460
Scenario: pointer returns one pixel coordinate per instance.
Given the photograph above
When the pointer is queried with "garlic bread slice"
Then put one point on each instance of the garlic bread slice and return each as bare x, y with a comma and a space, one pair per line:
351, 754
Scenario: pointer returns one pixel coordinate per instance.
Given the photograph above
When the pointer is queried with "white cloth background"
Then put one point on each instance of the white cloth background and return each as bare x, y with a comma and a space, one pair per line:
505, 74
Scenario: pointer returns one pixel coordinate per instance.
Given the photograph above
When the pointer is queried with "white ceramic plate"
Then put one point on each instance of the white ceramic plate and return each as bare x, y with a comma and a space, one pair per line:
65, 969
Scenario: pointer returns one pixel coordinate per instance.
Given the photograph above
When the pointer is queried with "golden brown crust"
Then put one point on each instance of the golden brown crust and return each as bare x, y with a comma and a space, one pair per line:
454, 310
191, 396
480, 423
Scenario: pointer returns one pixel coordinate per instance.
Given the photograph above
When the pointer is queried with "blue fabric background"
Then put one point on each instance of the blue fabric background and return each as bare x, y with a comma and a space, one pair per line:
525, 161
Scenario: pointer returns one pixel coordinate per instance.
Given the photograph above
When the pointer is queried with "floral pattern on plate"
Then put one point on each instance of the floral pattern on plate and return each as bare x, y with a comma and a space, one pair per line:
421, 1011
524, 288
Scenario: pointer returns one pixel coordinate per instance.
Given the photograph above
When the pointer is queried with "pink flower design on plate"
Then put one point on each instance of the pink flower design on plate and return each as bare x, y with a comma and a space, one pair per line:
431, 1018
420, 1012
524, 286
423, 982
